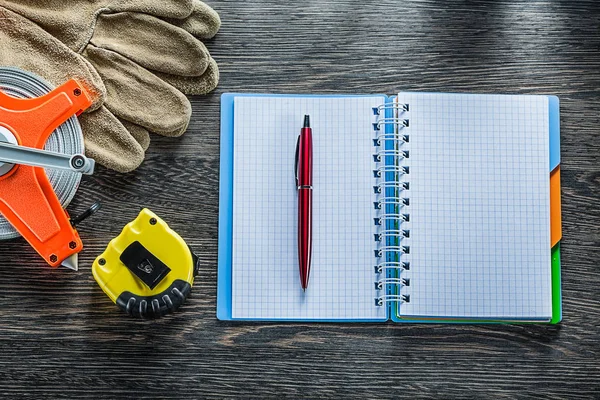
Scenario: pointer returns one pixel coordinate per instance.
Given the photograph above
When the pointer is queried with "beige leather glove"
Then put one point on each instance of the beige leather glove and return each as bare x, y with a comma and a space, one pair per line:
163, 36
130, 43
25, 45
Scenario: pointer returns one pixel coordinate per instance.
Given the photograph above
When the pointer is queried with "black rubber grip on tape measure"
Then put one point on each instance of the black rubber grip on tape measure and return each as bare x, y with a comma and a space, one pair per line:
157, 305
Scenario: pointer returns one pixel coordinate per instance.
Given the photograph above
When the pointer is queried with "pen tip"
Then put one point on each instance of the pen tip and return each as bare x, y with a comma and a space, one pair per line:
306, 121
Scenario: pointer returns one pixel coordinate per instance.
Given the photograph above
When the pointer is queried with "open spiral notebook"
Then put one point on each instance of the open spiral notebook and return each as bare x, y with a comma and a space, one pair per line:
428, 207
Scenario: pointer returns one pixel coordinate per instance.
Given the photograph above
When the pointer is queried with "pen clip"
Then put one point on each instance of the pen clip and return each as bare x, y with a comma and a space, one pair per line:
296, 160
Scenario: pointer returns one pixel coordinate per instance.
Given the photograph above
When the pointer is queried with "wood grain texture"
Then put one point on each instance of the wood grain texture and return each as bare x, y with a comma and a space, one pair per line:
61, 337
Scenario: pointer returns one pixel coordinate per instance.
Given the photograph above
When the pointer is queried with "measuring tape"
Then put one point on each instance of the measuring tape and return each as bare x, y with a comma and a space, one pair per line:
66, 139
34, 117
148, 270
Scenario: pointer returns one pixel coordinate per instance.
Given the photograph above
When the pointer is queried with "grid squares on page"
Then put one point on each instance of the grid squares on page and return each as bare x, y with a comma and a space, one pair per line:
480, 234
265, 276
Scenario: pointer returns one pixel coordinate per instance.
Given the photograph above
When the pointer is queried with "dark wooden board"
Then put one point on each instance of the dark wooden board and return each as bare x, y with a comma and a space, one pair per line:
61, 337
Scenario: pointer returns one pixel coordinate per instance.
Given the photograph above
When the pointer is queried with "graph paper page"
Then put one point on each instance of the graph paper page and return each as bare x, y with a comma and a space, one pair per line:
265, 275
479, 207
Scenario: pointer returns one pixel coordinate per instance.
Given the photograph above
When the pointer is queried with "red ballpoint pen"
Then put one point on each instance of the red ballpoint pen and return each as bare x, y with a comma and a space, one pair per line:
304, 181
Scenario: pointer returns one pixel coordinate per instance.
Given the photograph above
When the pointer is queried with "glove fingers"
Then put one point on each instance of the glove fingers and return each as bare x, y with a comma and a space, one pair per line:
194, 85
139, 133
138, 96
25, 45
152, 43
203, 22
164, 8
109, 143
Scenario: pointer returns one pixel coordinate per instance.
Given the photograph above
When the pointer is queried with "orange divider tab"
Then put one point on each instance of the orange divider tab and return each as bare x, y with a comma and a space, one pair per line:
555, 216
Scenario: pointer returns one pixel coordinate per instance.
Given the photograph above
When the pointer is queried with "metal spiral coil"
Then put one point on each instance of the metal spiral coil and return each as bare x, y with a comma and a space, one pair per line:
391, 265
392, 106
380, 284
391, 172
400, 298
66, 139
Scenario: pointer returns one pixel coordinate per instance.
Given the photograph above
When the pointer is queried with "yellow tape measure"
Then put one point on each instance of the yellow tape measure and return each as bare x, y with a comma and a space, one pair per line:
148, 270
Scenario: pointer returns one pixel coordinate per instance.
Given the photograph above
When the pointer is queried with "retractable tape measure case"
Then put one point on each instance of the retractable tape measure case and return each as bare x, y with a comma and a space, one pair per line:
148, 270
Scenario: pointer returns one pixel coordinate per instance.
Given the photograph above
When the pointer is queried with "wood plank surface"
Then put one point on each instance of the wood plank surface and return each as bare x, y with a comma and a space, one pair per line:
60, 336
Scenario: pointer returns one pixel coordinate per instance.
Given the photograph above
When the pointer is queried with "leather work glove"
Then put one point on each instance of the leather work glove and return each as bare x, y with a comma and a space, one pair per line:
25, 45
144, 51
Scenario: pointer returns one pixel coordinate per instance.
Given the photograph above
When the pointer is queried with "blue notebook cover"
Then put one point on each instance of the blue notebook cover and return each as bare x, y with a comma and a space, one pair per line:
224, 285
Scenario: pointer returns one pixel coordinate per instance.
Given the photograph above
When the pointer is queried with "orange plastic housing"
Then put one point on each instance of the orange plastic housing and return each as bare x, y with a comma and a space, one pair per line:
27, 199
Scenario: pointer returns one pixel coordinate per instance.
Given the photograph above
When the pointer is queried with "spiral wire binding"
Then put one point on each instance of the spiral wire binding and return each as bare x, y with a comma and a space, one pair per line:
379, 285
391, 265
397, 186
392, 202
400, 233
390, 136
398, 170
395, 121
393, 106
66, 139
384, 153
378, 204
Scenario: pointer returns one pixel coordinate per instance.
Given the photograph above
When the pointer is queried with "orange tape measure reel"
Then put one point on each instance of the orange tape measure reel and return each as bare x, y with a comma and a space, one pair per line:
27, 198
